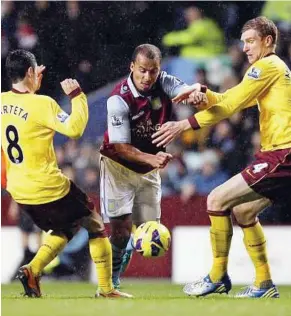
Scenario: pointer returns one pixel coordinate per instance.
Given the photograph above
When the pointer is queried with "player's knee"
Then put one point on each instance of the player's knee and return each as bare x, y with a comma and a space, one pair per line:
120, 237
214, 200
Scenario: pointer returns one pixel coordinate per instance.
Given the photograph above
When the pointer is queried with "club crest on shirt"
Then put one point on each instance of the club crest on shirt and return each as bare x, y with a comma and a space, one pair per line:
62, 116
156, 103
124, 89
116, 121
254, 73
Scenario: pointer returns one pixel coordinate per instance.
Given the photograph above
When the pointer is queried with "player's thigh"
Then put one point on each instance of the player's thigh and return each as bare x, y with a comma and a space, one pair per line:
147, 202
93, 223
25, 222
270, 174
63, 215
233, 192
117, 189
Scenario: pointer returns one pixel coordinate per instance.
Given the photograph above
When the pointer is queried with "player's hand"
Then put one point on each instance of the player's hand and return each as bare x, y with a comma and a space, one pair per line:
169, 131
159, 160
166, 156
198, 100
69, 85
184, 95
39, 71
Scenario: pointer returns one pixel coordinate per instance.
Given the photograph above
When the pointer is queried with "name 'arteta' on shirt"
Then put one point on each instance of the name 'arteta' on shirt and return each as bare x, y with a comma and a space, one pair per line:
15, 110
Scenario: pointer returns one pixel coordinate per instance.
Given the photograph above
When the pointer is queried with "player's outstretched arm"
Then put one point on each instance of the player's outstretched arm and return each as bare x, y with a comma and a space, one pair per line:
130, 153
257, 80
72, 125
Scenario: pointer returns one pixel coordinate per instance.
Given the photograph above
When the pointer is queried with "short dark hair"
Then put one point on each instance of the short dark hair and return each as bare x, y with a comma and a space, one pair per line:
147, 50
17, 63
263, 26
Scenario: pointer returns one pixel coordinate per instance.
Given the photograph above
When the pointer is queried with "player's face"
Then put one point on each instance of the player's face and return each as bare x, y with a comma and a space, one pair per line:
145, 72
255, 46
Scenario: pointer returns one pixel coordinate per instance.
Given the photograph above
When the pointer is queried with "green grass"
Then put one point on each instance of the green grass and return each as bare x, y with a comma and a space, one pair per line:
151, 298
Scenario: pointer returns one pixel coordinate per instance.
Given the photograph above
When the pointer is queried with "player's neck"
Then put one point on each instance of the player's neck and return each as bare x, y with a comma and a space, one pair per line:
21, 87
268, 52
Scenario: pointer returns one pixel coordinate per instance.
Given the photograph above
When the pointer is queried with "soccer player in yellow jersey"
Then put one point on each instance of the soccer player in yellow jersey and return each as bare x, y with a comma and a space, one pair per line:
267, 83
28, 124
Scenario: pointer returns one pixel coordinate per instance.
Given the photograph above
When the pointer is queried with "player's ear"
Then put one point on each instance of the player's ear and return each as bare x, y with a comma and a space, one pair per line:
30, 71
131, 66
269, 41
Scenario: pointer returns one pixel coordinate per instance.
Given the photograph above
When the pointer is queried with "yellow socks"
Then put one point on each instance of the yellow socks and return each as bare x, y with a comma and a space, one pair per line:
255, 243
220, 233
52, 245
101, 254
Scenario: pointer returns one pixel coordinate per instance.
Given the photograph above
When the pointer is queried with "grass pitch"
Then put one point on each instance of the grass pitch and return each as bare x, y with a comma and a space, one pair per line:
159, 298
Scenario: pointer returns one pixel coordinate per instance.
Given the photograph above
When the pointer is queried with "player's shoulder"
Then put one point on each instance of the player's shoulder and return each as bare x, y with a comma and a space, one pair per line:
269, 62
163, 74
5, 94
268, 65
121, 88
45, 99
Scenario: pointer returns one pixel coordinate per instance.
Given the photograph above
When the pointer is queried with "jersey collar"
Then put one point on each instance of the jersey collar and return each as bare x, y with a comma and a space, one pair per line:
19, 92
132, 87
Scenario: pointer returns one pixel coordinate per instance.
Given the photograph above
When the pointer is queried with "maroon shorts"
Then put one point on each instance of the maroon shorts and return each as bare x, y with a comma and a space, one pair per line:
61, 215
270, 174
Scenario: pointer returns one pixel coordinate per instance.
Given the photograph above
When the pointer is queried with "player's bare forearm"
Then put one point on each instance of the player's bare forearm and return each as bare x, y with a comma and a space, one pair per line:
131, 153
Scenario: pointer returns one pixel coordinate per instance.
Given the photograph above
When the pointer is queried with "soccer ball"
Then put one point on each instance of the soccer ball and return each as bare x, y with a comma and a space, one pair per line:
152, 239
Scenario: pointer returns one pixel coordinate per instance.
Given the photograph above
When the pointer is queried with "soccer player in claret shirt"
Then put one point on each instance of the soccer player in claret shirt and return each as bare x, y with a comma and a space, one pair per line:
266, 83
35, 182
130, 184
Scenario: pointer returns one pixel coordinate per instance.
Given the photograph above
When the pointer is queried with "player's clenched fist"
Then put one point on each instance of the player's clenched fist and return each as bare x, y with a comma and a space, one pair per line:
165, 158
69, 85
198, 99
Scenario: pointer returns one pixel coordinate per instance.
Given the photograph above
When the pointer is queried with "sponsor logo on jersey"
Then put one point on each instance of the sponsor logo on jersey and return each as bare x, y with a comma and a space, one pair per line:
62, 116
254, 73
145, 129
259, 167
116, 121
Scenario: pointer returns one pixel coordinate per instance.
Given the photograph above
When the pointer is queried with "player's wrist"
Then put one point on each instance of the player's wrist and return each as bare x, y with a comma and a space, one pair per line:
75, 93
148, 158
193, 122
184, 125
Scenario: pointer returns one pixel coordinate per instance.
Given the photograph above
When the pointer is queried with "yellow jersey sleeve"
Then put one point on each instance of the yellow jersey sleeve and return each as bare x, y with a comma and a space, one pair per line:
72, 125
215, 98
257, 80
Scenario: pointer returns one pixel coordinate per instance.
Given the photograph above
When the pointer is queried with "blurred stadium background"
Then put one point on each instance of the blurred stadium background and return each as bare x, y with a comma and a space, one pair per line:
93, 42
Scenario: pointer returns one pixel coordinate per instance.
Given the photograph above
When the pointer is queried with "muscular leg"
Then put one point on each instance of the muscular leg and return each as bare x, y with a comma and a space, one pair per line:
246, 213
254, 239
100, 250
120, 235
53, 244
220, 201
